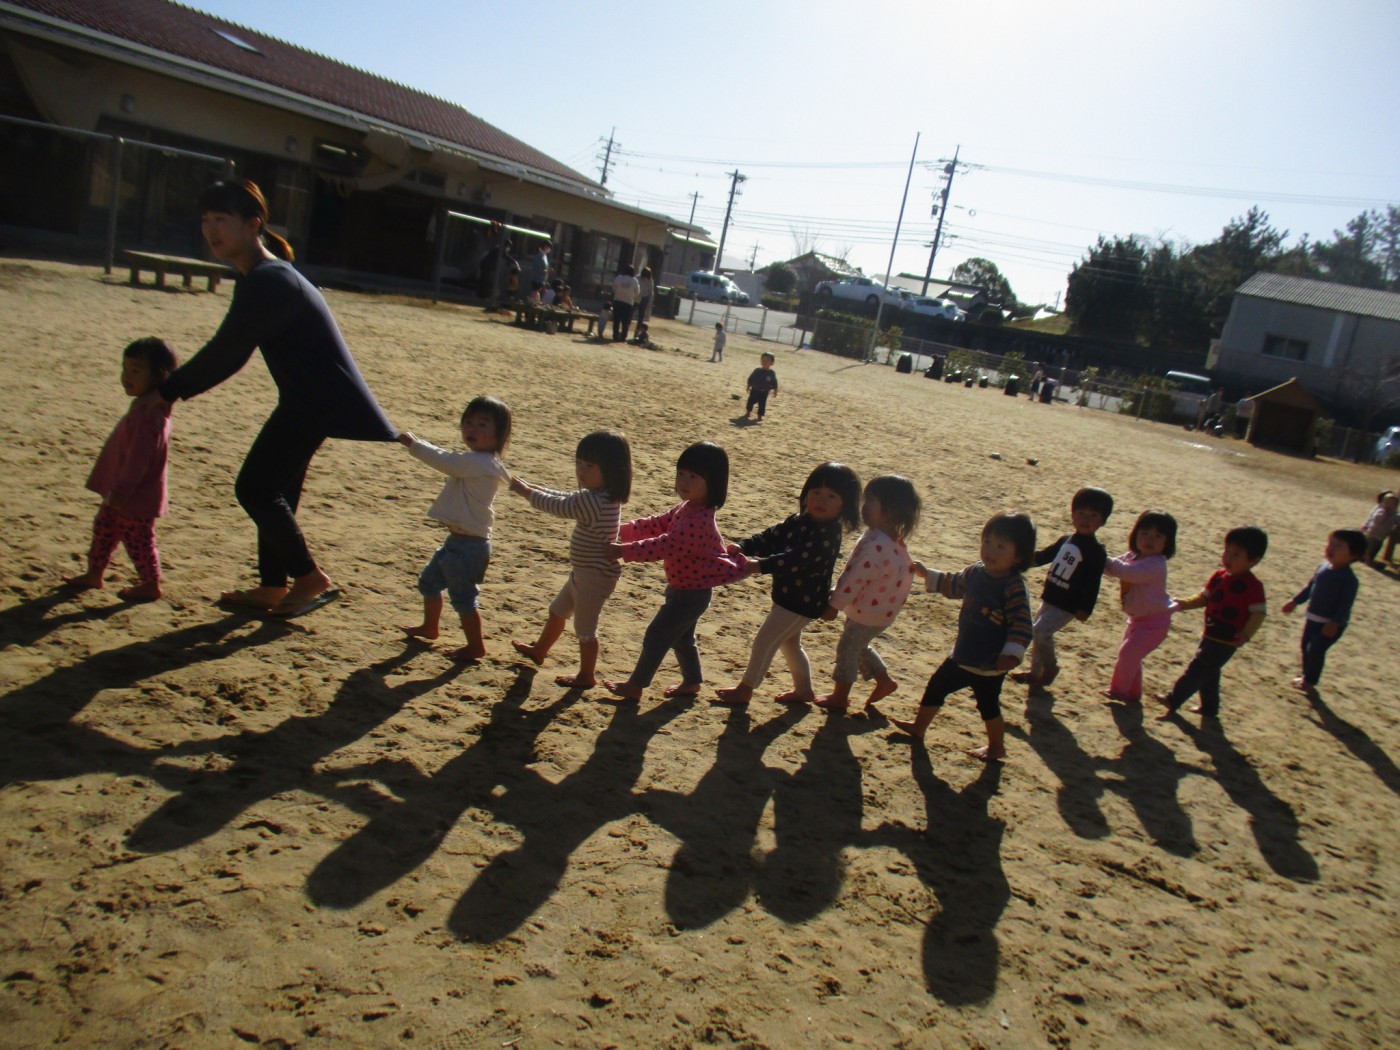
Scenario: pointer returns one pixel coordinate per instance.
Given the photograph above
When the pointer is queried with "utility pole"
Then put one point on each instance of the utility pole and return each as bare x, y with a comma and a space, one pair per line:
949, 171
735, 179
753, 259
694, 198
607, 155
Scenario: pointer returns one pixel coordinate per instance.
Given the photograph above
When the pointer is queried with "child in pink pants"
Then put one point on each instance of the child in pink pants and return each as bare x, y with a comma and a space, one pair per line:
1142, 572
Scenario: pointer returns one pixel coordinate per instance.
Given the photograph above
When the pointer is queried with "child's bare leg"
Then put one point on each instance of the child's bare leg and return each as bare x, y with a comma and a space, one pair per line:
838, 699
549, 634
735, 696
431, 626
475, 648
145, 591
587, 667
884, 686
919, 726
996, 747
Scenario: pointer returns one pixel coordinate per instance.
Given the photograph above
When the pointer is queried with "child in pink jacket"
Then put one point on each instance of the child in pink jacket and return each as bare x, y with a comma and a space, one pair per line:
130, 476
1143, 575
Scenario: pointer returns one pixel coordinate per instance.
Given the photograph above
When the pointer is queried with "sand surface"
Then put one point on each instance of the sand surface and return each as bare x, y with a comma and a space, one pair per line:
224, 832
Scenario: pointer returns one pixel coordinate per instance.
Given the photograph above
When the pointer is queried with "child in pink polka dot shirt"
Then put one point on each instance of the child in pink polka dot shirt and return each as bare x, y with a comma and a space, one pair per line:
873, 587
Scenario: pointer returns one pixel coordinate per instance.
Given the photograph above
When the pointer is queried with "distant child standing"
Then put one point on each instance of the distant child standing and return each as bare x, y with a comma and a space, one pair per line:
465, 507
800, 553
603, 467
762, 382
1380, 524
1143, 575
1329, 594
718, 353
1072, 586
1233, 599
994, 627
130, 476
873, 588
688, 543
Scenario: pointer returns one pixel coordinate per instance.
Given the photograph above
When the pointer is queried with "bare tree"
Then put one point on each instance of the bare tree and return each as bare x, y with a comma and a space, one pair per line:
804, 240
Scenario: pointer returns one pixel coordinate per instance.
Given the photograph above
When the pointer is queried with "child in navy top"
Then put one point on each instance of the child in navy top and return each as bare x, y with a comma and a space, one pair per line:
1329, 594
800, 553
1071, 589
994, 627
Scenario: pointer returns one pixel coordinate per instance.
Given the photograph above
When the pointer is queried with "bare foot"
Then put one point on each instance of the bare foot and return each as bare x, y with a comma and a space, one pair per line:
833, 702
1300, 684
737, 696
882, 689
305, 588
422, 631
88, 581
623, 690
681, 689
576, 681
528, 649
905, 726
256, 598
986, 754
467, 654
142, 592
1021, 676
794, 697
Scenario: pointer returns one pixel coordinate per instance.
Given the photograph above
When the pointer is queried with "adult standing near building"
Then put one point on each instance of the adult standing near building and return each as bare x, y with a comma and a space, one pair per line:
648, 290
539, 267
626, 288
321, 393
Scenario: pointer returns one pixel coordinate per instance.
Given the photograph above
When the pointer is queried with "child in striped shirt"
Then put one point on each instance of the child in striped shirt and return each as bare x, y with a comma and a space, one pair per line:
603, 466
994, 627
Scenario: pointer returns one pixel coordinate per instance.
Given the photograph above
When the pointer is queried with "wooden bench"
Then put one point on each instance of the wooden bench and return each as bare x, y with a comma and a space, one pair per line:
537, 315
189, 269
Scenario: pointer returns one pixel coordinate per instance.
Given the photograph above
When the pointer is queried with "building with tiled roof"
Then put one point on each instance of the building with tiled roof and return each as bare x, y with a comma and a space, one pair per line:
367, 176
1340, 342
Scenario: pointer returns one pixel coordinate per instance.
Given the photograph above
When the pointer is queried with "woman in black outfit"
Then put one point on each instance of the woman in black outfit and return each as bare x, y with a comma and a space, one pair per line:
321, 393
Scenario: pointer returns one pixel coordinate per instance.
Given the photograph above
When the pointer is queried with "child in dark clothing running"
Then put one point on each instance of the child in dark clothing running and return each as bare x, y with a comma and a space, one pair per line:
1076, 565
762, 381
1329, 594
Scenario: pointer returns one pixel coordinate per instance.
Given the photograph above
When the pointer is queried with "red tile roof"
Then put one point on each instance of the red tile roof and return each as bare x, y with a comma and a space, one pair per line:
193, 36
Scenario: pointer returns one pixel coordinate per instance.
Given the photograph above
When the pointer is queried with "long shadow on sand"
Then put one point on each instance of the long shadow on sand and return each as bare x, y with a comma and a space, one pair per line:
1357, 741
959, 858
714, 869
1080, 787
39, 739
28, 621
1272, 820
1149, 774
280, 759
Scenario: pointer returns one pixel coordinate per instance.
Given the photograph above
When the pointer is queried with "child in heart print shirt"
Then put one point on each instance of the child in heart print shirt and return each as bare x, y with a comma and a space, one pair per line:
873, 587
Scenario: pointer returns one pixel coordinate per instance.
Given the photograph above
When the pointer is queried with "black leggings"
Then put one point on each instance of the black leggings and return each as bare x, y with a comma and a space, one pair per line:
269, 489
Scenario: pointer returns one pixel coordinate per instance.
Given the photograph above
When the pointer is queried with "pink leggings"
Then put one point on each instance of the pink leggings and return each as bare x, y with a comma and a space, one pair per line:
1140, 637
137, 535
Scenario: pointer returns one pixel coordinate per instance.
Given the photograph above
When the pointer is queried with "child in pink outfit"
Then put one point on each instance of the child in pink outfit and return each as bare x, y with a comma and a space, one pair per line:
873, 588
130, 476
1143, 575
688, 543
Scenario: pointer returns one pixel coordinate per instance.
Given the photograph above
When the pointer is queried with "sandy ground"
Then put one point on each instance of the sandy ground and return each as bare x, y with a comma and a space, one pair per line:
223, 832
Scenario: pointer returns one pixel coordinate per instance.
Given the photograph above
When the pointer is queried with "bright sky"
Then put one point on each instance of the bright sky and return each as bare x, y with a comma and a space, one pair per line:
1074, 119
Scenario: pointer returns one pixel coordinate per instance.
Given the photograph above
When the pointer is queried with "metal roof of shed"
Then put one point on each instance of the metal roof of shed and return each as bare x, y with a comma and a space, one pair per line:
1323, 295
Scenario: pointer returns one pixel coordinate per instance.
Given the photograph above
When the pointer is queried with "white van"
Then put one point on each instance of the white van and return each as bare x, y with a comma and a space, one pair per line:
1188, 391
715, 288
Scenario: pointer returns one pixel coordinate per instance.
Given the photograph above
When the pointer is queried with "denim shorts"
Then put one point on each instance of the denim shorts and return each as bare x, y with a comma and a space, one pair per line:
458, 567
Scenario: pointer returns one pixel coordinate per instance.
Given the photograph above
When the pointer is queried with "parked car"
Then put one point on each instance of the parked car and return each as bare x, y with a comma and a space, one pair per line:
1188, 392
857, 289
715, 288
1387, 445
929, 307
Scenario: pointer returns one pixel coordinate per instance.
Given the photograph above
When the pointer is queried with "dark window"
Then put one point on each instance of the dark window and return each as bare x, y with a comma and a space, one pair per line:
1282, 346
